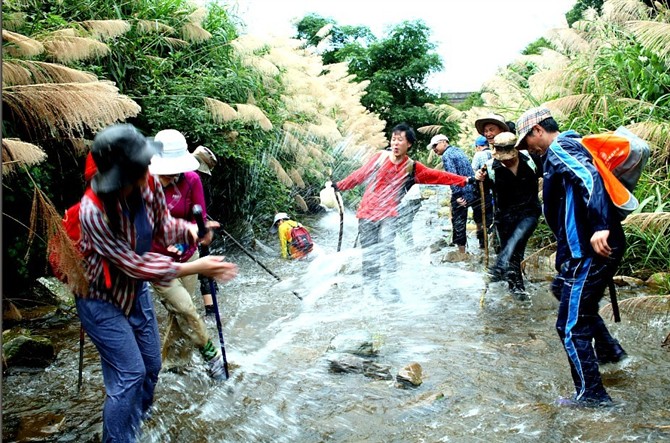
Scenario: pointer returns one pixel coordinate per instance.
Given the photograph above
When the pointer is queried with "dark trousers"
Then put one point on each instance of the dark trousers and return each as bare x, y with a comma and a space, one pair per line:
514, 232
377, 240
579, 287
459, 220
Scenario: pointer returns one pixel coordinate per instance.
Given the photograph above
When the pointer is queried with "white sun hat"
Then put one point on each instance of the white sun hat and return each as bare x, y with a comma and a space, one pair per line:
175, 157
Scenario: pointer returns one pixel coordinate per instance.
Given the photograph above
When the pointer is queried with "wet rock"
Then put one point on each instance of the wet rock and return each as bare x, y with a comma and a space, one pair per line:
20, 348
353, 364
10, 314
455, 256
438, 245
659, 280
57, 290
410, 376
622, 280
358, 342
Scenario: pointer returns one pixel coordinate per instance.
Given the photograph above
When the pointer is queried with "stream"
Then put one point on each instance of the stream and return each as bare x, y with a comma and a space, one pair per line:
492, 366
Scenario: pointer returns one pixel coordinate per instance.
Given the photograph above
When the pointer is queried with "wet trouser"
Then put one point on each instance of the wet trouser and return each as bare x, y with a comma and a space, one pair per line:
579, 287
406, 214
459, 219
185, 327
377, 240
477, 215
129, 350
514, 233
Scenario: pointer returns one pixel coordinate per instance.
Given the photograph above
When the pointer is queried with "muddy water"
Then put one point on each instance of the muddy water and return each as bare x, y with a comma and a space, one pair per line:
492, 366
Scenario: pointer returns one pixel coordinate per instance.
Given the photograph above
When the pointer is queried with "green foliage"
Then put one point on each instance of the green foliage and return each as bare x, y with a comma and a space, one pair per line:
537, 46
577, 12
397, 66
647, 251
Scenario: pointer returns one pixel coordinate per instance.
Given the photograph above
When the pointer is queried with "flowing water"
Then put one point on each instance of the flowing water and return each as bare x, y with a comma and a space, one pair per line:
492, 366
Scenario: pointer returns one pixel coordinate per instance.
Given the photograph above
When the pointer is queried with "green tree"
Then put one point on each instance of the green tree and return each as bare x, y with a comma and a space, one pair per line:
397, 66
577, 12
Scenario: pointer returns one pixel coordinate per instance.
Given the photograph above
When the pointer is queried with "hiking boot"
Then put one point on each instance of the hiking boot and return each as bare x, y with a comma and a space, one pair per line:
494, 275
216, 369
616, 355
520, 294
604, 402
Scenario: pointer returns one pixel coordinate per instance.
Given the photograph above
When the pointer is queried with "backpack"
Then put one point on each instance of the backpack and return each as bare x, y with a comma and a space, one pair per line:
301, 241
72, 228
619, 157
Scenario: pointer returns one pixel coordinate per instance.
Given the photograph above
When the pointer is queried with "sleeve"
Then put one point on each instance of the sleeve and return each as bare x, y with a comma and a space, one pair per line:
360, 175
426, 176
149, 266
575, 164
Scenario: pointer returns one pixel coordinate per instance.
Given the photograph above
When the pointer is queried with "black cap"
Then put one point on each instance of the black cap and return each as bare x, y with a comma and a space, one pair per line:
122, 155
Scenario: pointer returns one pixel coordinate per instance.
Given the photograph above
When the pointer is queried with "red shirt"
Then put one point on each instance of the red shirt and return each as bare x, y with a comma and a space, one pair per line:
386, 184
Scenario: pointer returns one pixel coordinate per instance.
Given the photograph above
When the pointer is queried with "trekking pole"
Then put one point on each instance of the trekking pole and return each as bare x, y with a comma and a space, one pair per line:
258, 262
338, 197
613, 300
204, 250
484, 224
81, 357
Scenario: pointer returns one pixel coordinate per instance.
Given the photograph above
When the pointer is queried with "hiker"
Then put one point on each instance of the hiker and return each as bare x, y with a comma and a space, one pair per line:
117, 312
388, 175
590, 246
175, 168
207, 161
513, 176
290, 247
455, 161
490, 126
482, 155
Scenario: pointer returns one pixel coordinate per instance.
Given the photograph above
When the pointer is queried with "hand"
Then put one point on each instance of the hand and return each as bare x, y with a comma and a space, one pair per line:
331, 184
599, 243
481, 174
471, 181
461, 201
207, 239
216, 267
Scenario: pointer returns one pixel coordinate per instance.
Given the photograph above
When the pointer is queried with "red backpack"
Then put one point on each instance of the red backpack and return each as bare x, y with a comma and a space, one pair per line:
301, 241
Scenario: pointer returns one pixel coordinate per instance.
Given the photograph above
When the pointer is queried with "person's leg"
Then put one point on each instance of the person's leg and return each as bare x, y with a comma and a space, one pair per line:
518, 241
143, 321
459, 218
369, 237
123, 368
581, 291
499, 269
387, 233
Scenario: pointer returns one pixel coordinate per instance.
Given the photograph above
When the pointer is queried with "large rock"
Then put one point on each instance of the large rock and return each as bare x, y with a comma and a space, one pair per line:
358, 342
659, 280
410, 376
20, 348
349, 363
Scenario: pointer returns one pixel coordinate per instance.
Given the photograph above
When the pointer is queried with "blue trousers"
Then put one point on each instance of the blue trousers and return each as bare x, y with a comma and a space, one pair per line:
459, 220
579, 287
129, 350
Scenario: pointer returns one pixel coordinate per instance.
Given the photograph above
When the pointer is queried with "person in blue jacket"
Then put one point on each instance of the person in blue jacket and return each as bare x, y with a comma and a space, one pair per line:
591, 244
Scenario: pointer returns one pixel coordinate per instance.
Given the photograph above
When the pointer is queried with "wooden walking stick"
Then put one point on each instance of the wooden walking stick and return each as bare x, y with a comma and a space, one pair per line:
484, 224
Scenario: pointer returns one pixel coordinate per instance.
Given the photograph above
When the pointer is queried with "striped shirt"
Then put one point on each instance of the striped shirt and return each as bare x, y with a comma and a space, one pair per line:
127, 268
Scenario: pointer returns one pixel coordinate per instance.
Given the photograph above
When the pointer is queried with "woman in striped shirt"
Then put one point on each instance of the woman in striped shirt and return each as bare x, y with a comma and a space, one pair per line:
118, 227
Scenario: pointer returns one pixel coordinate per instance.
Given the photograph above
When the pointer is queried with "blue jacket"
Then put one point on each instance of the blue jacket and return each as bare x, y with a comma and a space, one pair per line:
455, 161
576, 203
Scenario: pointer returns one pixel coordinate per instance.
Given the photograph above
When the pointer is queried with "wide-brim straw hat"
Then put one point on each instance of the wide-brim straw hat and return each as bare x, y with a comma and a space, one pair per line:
175, 157
206, 158
496, 119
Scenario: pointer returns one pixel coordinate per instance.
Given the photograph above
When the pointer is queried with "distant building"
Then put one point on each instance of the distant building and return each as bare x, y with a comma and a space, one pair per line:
456, 98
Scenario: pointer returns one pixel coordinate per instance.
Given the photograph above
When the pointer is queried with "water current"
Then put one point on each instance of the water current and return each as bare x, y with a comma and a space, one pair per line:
492, 366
